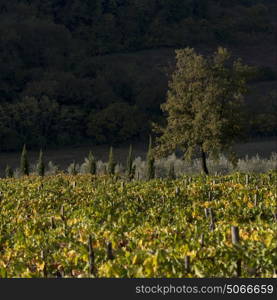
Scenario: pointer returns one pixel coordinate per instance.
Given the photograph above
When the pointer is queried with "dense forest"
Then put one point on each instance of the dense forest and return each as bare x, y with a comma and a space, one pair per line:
67, 77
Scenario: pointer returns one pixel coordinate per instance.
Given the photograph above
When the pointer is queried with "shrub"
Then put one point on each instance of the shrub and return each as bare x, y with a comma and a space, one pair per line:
73, 168
53, 169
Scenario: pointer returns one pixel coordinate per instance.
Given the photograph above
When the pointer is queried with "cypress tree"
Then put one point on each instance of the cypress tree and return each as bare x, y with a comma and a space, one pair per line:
111, 163
8, 172
171, 173
40, 164
133, 171
150, 161
24, 163
129, 163
91, 164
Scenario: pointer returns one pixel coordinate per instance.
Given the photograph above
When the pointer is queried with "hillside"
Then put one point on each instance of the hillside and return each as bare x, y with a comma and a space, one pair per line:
96, 72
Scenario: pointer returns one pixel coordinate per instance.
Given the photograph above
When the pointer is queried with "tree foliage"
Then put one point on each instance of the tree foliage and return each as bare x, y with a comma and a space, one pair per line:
204, 104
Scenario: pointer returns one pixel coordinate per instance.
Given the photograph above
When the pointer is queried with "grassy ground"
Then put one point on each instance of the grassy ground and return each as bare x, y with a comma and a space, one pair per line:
138, 229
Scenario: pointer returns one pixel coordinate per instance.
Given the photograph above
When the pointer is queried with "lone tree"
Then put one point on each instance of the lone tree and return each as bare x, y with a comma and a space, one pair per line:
40, 164
24, 163
204, 105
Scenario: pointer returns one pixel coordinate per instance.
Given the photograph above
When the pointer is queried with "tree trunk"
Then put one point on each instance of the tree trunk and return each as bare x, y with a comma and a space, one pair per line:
204, 162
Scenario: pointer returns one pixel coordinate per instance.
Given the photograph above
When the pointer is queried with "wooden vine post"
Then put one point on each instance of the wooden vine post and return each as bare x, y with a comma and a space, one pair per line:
202, 240
53, 225
212, 225
235, 241
187, 264
62, 212
44, 266
110, 255
256, 199
235, 235
91, 256
247, 179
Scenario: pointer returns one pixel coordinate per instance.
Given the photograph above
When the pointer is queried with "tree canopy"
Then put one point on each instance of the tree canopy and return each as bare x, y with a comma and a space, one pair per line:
204, 104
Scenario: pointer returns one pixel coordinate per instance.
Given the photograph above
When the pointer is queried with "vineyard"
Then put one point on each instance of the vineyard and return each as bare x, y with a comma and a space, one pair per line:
104, 226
